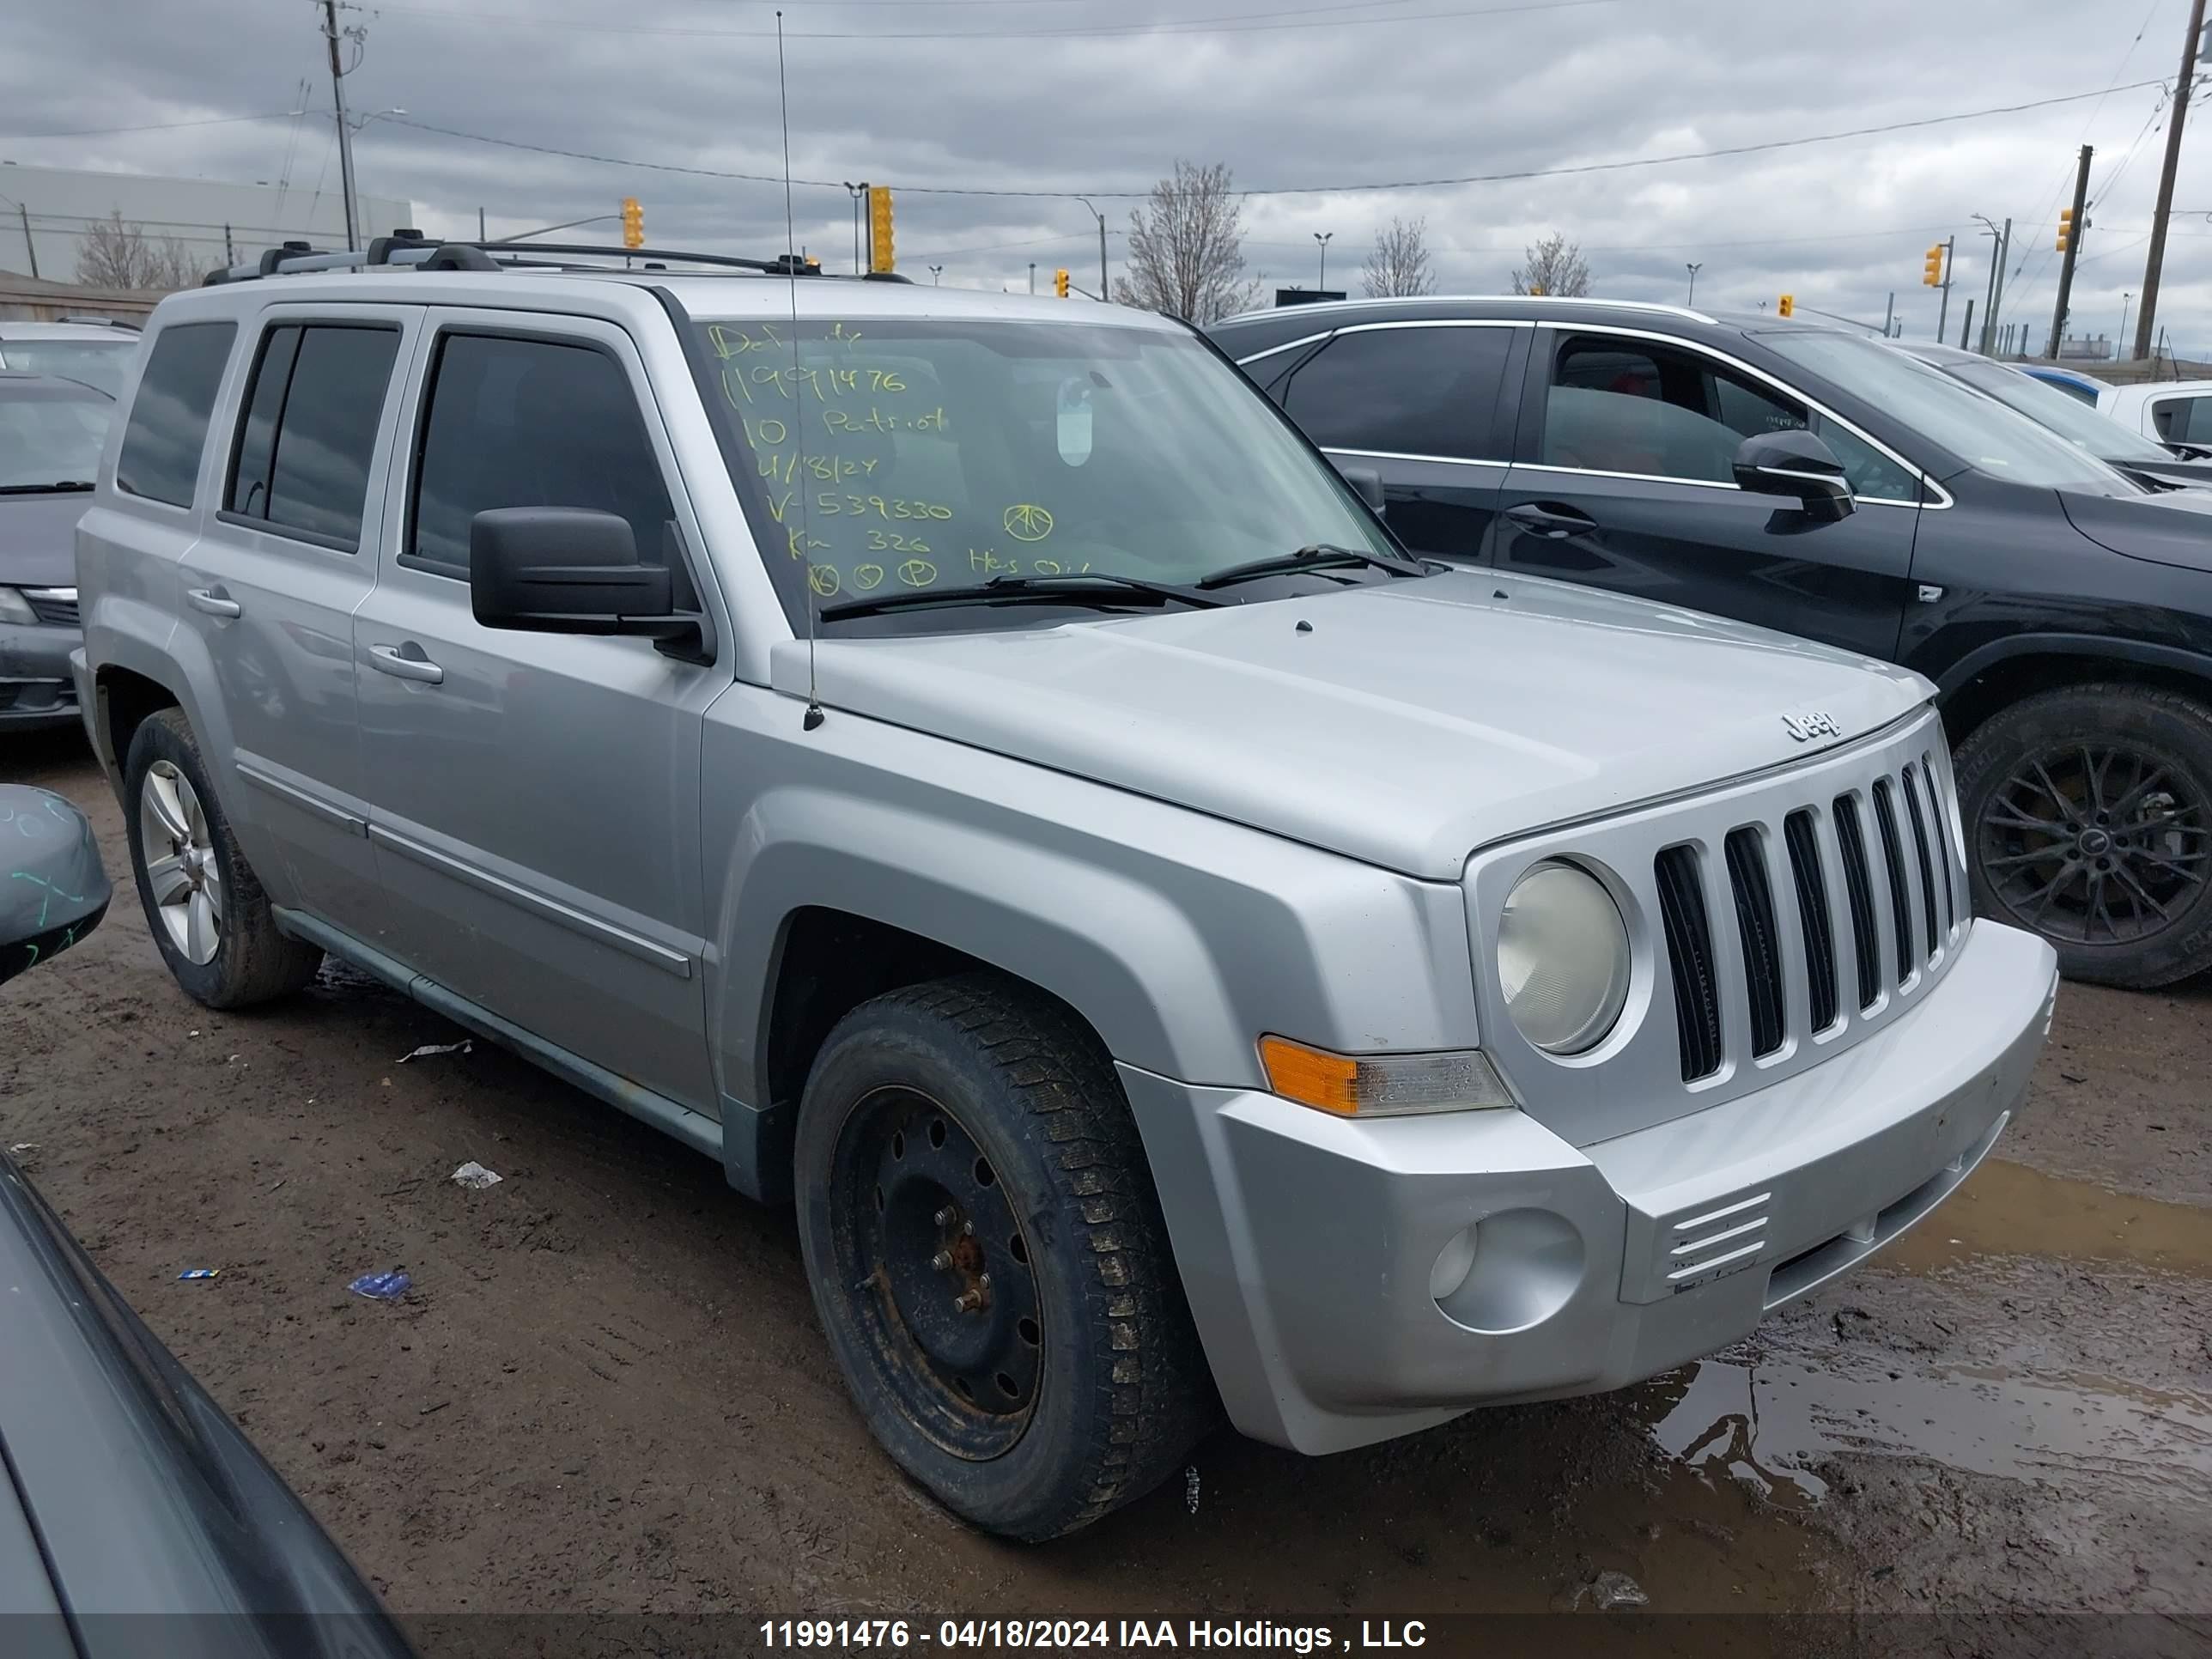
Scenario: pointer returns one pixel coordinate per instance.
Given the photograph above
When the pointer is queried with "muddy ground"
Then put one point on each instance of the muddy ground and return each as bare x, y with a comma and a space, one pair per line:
606, 1392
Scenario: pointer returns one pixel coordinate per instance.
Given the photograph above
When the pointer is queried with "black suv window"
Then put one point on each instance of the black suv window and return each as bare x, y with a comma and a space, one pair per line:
1415, 391
2184, 420
162, 445
523, 423
309, 431
1638, 406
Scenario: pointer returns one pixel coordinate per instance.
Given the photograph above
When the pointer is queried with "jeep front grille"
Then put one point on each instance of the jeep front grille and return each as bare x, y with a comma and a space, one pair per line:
1788, 986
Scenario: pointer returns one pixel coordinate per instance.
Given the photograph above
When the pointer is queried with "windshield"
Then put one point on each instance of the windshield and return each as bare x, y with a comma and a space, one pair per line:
2070, 418
1999, 442
48, 437
98, 363
910, 454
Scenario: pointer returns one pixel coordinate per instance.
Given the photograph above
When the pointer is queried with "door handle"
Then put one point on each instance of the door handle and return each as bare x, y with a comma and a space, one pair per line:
214, 601
405, 662
1553, 523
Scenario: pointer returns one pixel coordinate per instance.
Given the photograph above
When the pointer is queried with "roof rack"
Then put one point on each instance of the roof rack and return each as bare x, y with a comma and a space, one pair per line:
407, 248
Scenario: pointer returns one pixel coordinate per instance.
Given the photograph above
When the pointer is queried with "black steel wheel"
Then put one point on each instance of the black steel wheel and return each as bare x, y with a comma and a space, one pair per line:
951, 1311
988, 1259
2089, 814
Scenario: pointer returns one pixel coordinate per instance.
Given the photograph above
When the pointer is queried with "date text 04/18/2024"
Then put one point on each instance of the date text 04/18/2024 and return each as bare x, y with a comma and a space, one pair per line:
1105, 1635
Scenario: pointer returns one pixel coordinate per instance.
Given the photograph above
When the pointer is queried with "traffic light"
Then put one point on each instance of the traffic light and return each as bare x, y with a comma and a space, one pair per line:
2065, 228
879, 227
633, 218
1788, 306
1932, 275
1059, 282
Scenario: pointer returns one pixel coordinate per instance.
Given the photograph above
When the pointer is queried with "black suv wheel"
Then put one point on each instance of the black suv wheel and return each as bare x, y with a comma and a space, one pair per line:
988, 1260
2088, 819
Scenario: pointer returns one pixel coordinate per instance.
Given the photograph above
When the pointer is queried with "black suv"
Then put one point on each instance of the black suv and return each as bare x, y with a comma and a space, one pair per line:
1824, 485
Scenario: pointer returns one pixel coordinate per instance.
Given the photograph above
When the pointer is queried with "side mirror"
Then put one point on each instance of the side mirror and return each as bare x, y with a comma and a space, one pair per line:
1797, 465
567, 570
1368, 482
52, 888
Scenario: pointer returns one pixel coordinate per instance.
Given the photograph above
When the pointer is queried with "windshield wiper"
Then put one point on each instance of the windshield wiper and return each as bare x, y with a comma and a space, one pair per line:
1092, 587
1320, 556
45, 488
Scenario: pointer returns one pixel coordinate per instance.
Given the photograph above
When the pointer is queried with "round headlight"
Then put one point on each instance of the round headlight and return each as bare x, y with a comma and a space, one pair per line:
1563, 958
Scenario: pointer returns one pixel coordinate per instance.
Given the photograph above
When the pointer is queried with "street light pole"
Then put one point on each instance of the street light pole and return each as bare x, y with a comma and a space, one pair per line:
857, 192
1102, 247
30, 247
1323, 238
1694, 270
2120, 340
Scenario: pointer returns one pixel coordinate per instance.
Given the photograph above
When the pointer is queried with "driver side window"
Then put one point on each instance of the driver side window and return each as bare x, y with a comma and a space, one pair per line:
1642, 407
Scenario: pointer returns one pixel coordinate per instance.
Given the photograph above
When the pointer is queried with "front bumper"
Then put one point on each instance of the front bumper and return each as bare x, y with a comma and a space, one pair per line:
36, 687
1308, 1243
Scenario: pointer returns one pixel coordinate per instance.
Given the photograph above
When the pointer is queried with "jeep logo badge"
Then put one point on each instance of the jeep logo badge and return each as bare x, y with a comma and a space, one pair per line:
1813, 724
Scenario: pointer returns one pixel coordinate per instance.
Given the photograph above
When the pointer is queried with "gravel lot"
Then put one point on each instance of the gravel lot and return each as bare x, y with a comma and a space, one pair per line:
606, 1392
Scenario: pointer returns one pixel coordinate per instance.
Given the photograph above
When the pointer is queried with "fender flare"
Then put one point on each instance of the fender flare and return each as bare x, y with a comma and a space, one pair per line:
2143, 652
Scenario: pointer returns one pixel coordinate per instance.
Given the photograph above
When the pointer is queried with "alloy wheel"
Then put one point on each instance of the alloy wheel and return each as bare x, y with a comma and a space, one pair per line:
183, 873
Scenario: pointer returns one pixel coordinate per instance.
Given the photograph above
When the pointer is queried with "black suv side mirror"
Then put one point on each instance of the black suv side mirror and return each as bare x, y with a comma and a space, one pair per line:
1797, 465
567, 570
52, 888
1367, 481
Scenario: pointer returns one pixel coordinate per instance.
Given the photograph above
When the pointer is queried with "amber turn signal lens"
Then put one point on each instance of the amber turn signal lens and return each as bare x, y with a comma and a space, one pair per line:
1381, 1086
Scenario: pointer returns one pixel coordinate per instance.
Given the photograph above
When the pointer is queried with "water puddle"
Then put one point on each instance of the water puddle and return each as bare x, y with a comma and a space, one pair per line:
1768, 1424
2010, 1209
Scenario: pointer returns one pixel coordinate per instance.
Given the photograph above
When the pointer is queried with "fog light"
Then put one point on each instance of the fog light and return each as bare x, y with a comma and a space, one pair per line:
1508, 1272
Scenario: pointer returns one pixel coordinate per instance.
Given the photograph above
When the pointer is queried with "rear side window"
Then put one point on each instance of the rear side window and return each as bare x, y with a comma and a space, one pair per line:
2184, 420
1404, 392
524, 422
167, 429
309, 430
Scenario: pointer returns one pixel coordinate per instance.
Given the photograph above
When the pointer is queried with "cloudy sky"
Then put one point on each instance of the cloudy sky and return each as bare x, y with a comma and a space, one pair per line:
950, 99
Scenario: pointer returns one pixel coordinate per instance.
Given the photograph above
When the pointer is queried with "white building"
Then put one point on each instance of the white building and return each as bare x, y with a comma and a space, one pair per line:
44, 213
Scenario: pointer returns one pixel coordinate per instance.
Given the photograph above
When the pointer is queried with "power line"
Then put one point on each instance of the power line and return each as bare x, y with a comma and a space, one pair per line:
1517, 175
152, 126
1245, 22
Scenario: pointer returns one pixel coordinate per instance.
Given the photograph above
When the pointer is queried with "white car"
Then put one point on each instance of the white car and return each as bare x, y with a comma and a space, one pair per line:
92, 350
2171, 411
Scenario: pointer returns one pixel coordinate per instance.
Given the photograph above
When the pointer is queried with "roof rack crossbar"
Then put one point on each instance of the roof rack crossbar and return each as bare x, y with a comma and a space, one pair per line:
408, 247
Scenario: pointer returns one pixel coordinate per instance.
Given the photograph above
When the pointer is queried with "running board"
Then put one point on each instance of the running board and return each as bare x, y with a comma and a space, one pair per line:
695, 1129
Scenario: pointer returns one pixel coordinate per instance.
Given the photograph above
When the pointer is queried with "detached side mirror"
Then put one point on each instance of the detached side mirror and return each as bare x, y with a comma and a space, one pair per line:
1368, 482
567, 570
1797, 465
53, 891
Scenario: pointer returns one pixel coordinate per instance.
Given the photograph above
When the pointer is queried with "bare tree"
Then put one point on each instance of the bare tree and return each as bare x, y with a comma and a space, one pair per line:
1398, 266
119, 254
1553, 266
1186, 248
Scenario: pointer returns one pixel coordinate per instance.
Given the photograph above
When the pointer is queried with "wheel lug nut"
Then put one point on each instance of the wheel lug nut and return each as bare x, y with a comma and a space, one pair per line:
941, 1261
966, 1229
983, 1281
944, 1215
969, 1301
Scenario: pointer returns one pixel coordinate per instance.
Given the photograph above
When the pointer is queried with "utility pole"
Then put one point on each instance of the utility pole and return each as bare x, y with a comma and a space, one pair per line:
1889, 315
229, 254
30, 247
1944, 308
859, 193
481, 236
1966, 328
332, 38
1996, 290
2076, 224
2154, 262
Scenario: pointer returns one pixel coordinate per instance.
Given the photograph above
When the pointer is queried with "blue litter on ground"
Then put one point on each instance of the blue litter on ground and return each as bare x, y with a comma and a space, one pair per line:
384, 1287
199, 1272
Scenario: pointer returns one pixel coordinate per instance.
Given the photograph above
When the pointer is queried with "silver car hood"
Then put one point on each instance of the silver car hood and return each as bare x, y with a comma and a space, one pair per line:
1416, 721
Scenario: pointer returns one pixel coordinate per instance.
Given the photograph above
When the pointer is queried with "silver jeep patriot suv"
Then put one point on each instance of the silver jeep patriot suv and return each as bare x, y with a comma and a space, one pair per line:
970, 765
